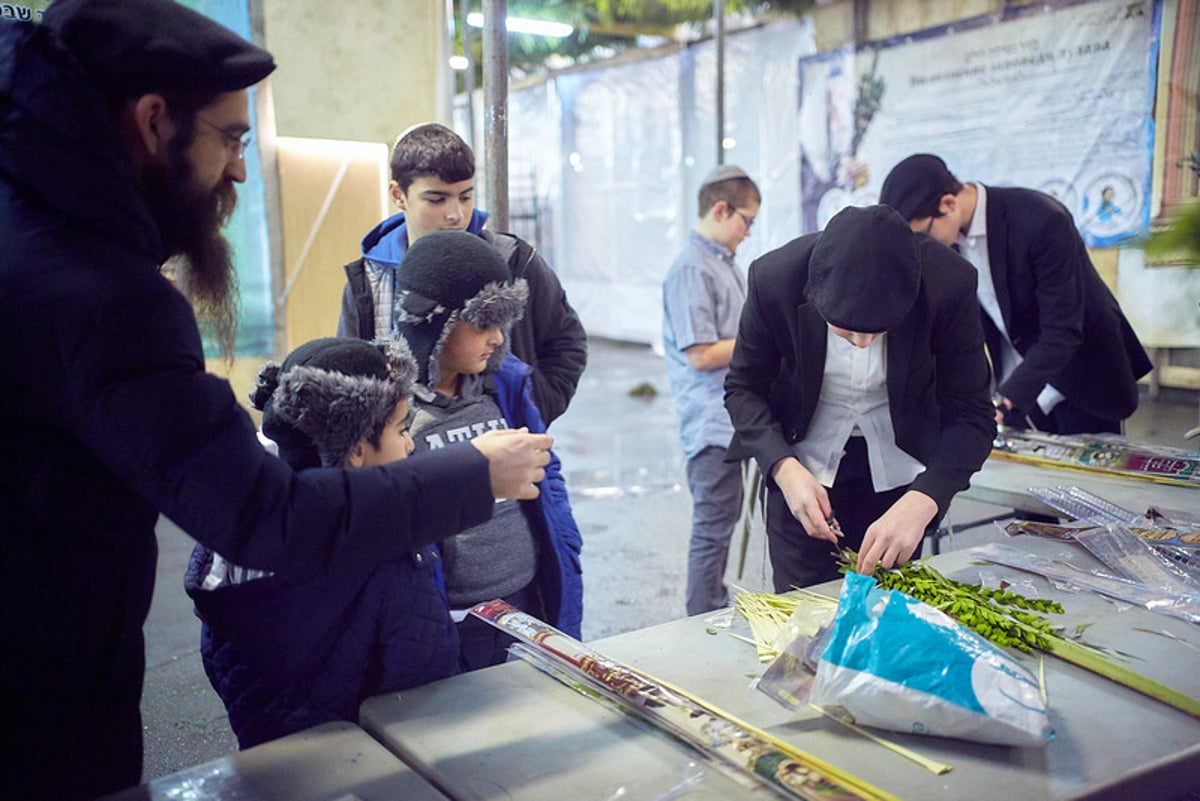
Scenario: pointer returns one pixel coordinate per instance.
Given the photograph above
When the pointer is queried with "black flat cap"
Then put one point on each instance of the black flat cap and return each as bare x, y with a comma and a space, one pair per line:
134, 47
917, 183
864, 273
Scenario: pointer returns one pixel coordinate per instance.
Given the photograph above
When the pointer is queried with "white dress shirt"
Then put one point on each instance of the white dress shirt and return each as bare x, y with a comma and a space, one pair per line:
854, 402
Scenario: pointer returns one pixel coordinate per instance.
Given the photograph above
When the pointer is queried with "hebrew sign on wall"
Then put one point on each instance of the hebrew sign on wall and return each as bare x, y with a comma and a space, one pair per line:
1057, 97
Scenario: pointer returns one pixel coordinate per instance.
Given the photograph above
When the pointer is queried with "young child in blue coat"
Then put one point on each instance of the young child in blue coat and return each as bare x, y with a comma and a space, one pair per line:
456, 301
286, 654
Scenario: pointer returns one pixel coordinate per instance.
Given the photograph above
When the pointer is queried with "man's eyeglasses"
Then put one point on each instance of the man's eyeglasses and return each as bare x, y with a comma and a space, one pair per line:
749, 221
237, 144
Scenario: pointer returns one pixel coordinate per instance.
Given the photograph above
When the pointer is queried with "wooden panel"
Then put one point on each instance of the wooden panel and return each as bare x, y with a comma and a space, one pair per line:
364, 70
331, 193
1182, 122
1105, 260
241, 375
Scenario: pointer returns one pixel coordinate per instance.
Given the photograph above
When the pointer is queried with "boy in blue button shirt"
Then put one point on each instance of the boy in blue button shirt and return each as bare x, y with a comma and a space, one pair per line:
703, 295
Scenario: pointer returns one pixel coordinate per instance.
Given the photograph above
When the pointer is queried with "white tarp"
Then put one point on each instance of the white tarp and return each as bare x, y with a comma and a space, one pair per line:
615, 155
1057, 96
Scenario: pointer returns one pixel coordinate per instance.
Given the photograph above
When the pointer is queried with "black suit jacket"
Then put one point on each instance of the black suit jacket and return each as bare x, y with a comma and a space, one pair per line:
937, 373
1059, 314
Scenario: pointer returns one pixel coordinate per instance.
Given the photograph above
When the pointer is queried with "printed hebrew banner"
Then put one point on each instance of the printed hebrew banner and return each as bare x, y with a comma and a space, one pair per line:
23, 12
1057, 96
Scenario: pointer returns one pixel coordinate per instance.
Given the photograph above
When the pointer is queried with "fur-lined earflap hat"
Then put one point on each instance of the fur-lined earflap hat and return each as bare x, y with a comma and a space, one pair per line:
330, 394
449, 276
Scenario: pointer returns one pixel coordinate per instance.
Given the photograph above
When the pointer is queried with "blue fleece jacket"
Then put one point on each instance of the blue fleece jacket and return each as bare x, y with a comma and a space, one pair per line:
559, 575
386, 243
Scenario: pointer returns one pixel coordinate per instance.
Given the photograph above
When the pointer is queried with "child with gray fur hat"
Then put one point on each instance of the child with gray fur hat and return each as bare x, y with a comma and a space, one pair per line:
285, 654
456, 302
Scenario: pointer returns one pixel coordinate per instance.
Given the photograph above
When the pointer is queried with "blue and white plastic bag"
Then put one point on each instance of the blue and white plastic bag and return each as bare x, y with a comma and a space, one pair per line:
899, 664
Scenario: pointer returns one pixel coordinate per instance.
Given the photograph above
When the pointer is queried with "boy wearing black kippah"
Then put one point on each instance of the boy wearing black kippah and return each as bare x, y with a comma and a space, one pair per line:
1064, 358
860, 386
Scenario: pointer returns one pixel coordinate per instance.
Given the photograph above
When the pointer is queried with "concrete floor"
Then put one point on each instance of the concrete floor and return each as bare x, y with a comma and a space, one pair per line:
624, 468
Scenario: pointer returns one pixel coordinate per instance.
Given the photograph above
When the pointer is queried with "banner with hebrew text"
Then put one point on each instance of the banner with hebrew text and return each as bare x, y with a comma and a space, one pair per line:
1056, 96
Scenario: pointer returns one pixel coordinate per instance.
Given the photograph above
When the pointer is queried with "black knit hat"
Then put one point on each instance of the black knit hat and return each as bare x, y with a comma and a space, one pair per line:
915, 185
329, 395
864, 273
447, 276
133, 47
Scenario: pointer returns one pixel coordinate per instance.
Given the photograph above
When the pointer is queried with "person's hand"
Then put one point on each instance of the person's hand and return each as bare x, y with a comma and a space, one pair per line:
896, 535
807, 500
1003, 406
515, 461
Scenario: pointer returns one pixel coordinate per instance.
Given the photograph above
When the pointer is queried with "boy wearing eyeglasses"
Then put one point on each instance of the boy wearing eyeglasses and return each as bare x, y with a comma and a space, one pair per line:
702, 301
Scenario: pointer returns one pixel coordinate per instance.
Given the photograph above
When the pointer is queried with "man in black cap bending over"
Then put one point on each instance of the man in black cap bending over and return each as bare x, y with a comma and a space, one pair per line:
860, 385
1064, 357
122, 130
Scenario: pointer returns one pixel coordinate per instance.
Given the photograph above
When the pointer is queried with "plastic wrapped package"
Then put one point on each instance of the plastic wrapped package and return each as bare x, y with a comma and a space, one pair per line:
1117, 547
896, 663
1186, 607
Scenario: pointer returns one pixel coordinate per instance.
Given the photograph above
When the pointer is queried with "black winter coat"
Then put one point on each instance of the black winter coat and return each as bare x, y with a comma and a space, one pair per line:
937, 373
108, 418
287, 654
1060, 315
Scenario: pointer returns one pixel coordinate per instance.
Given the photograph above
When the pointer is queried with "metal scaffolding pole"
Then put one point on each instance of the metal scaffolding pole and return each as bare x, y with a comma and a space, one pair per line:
719, 41
495, 110
469, 73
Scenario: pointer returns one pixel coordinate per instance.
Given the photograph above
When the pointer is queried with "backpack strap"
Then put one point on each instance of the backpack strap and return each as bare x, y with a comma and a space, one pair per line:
522, 254
356, 275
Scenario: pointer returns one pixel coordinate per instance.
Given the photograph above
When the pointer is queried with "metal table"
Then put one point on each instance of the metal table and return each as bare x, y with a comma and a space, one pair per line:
513, 732
331, 762
1006, 483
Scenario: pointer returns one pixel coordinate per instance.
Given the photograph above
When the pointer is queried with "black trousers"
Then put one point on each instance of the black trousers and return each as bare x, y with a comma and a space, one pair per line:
798, 560
481, 644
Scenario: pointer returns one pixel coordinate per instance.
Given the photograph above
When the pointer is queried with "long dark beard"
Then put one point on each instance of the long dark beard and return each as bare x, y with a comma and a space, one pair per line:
190, 221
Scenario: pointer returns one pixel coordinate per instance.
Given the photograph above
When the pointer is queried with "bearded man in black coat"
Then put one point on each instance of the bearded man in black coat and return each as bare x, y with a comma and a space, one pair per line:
123, 124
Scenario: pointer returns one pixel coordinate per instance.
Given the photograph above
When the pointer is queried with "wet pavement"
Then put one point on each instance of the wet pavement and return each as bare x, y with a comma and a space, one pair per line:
625, 472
